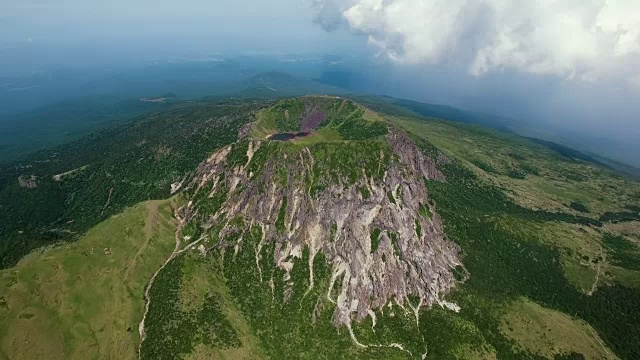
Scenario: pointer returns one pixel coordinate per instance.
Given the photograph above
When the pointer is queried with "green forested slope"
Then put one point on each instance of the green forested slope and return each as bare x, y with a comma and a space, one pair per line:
549, 244
107, 171
522, 299
55, 124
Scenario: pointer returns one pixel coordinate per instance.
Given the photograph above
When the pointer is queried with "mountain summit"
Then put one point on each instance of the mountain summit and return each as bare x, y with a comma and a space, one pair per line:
359, 199
345, 199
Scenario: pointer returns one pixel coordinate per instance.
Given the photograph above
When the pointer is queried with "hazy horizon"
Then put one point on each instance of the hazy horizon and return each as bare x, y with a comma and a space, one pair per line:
573, 76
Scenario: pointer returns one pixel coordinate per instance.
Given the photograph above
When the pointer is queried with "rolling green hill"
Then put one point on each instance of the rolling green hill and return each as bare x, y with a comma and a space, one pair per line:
413, 108
82, 300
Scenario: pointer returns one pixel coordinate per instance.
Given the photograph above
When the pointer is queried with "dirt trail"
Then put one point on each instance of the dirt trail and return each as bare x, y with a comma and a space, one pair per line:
148, 289
595, 336
176, 251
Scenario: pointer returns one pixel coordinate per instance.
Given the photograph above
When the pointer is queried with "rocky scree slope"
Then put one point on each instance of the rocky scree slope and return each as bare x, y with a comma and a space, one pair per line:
363, 205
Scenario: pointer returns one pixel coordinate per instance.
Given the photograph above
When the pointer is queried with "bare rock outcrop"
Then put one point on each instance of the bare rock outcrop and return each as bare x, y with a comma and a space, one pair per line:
410, 256
26, 181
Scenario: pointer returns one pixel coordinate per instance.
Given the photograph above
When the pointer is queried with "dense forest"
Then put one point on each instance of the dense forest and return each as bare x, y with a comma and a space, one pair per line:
506, 265
101, 174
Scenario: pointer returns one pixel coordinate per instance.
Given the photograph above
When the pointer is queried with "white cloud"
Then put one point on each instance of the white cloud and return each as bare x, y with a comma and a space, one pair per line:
574, 39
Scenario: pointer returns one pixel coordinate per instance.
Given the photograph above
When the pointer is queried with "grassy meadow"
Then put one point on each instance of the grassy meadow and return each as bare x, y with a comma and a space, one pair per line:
83, 300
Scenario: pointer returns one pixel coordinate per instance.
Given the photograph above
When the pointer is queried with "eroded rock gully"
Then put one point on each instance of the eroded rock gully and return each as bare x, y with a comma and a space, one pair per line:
413, 258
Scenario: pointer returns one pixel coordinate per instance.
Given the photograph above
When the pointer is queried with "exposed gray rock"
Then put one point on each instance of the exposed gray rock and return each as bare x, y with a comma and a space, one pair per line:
412, 157
26, 181
244, 131
413, 257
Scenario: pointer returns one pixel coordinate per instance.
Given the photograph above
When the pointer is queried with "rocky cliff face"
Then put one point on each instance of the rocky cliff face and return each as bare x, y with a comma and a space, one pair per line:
377, 229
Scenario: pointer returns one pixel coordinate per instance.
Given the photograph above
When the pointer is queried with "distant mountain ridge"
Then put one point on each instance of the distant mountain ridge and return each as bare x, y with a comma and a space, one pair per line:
444, 112
411, 108
279, 84
66, 121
